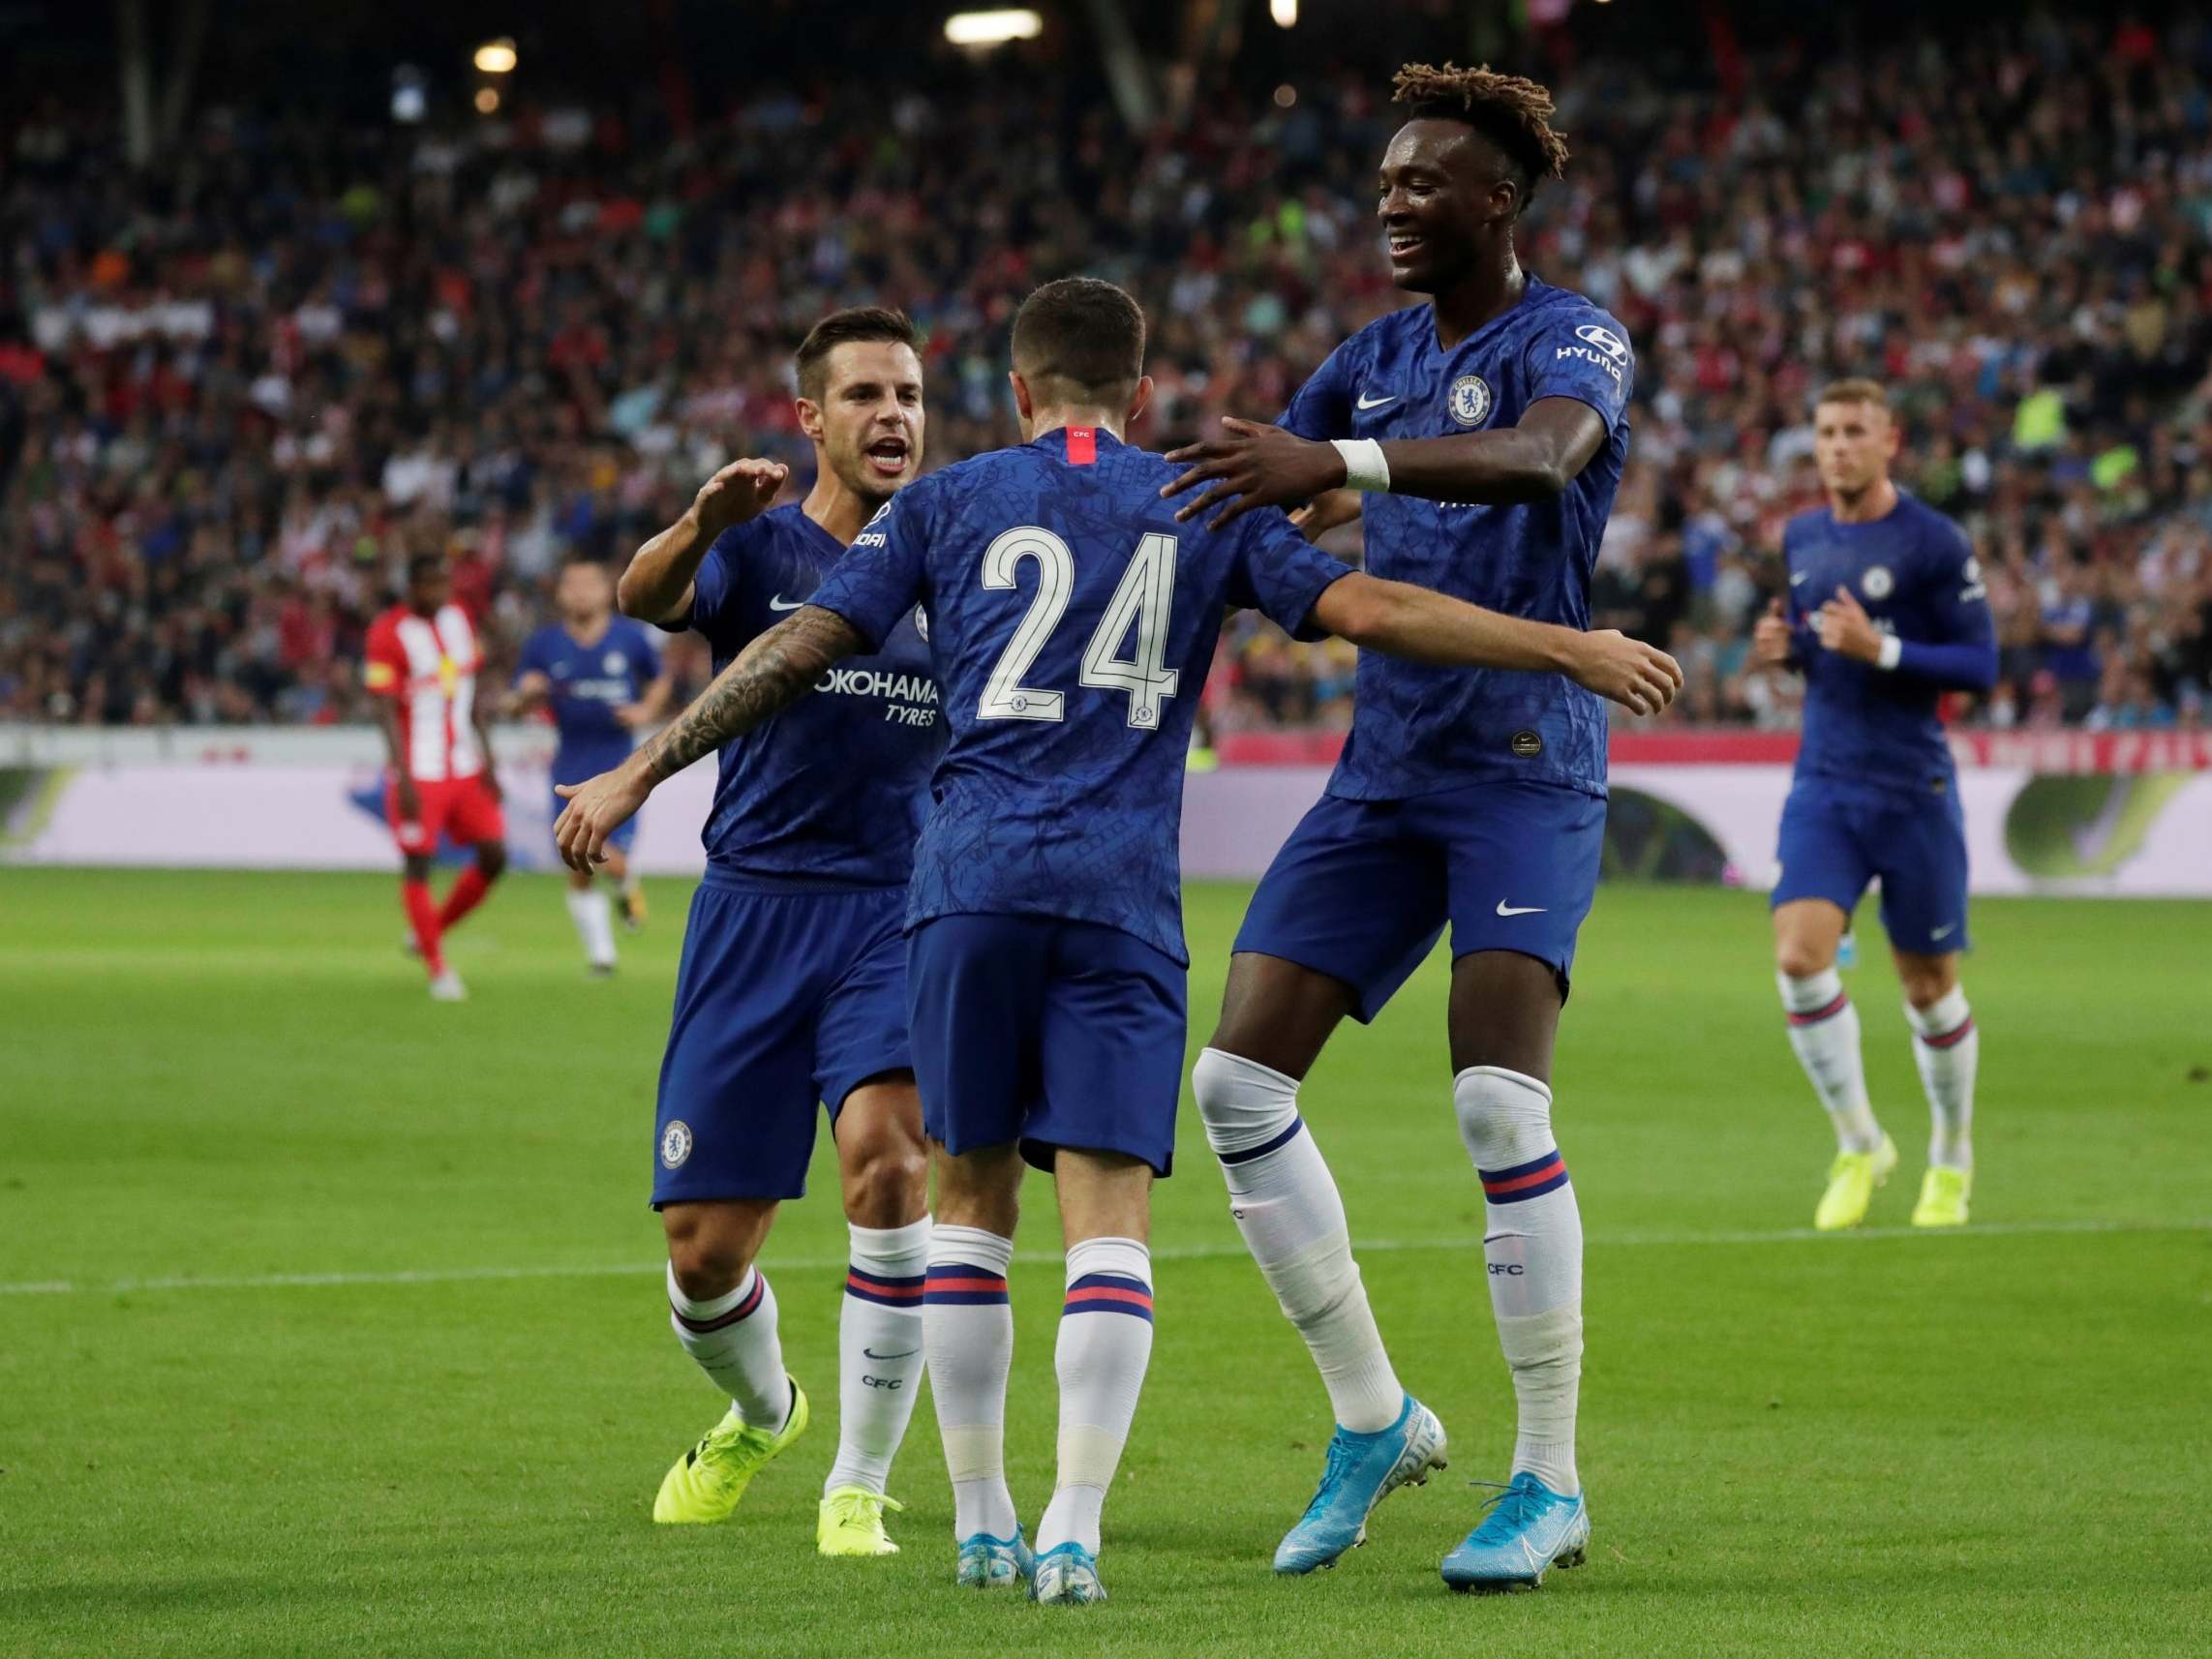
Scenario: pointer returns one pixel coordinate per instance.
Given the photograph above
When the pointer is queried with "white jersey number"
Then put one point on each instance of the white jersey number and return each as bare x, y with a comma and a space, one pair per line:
1144, 597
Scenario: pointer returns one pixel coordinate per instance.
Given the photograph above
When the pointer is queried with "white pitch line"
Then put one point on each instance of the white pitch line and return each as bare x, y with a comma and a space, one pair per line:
1163, 1252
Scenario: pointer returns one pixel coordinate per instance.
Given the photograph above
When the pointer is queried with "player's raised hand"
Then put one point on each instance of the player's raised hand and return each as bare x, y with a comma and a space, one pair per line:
1846, 629
737, 493
596, 808
1642, 679
1772, 637
1252, 465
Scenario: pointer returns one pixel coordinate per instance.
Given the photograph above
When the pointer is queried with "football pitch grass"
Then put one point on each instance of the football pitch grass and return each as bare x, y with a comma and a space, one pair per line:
331, 1319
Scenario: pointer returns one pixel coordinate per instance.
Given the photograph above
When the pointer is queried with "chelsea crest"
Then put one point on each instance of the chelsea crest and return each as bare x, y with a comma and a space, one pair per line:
1470, 400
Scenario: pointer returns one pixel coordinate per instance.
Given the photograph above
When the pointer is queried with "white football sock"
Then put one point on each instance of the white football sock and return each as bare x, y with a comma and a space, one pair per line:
1824, 1029
1291, 1216
1947, 1047
594, 918
1104, 1347
734, 1339
1532, 1244
967, 1341
879, 1350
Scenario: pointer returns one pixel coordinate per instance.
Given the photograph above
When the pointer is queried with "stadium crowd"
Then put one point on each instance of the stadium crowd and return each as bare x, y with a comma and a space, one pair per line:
236, 391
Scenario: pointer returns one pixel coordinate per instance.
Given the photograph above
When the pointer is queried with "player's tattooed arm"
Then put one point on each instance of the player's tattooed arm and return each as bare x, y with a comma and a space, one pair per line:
1255, 465
772, 673
769, 674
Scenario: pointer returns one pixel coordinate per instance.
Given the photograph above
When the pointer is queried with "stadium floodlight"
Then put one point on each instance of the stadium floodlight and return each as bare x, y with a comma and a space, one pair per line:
497, 57
1285, 12
994, 28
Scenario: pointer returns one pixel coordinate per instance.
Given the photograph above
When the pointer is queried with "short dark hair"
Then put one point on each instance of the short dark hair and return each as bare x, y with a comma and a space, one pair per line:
1079, 339
851, 326
421, 564
1510, 110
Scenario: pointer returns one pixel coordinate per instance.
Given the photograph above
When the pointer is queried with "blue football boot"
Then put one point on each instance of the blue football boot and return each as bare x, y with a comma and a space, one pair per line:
1361, 1472
1529, 1530
988, 1563
1067, 1573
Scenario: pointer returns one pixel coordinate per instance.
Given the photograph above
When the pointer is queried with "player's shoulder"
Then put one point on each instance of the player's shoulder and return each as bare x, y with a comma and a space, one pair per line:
761, 531
1811, 521
1938, 535
386, 626
1547, 309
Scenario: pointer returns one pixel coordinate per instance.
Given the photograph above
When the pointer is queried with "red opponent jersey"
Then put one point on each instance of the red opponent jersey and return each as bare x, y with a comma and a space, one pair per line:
428, 665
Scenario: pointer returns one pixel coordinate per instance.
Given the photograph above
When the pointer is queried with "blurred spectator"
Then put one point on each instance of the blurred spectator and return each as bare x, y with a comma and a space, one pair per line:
237, 390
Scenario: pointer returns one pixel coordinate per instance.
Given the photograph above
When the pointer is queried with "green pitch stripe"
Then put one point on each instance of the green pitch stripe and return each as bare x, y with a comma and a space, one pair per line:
1164, 1252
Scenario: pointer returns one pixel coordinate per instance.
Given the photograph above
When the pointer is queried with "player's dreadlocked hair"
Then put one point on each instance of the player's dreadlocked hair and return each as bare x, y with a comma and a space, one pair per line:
1510, 110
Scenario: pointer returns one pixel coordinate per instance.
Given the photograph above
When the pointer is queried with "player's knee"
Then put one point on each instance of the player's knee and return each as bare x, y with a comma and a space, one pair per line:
887, 1185
1504, 1117
710, 1245
707, 1265
491, 859
1927, 981
417, 867
1800, 958
1242, 1103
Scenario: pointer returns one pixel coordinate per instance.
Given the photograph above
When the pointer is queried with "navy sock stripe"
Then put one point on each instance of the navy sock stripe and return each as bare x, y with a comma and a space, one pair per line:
1264, 1147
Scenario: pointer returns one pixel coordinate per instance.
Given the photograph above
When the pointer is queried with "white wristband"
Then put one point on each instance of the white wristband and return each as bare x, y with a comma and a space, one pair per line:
1892, 652
1364, 468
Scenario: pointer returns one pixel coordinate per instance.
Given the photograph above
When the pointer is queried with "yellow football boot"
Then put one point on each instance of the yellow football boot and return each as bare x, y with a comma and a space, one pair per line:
1851, 1182
851, 1523
707, 1482
1944, 1193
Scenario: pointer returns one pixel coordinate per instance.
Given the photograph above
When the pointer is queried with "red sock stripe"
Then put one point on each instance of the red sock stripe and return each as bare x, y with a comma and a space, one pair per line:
745, 1308
1952, 1037
1109, 1293
1816, 1015
1507, 1182
874, 1287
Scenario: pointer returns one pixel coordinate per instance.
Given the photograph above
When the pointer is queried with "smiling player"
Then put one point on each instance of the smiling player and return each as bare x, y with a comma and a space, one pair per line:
1486, 433
1886, 612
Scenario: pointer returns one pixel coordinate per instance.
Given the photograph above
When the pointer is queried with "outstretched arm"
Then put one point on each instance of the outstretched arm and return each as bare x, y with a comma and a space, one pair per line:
1255, 465
1424, 626
771, 673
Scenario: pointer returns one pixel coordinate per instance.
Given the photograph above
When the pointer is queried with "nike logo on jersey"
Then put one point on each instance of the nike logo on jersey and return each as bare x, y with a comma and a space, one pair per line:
1505, 909
1943, 932
1368, 403
1799, 577
779, 603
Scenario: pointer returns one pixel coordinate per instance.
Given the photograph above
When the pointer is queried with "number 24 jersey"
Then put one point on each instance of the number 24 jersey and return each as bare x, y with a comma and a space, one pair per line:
1072, 623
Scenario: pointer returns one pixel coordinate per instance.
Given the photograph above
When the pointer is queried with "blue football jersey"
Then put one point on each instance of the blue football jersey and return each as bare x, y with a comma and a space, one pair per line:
590, 683
1916, 574
1073, 621
829, 794
1417, 729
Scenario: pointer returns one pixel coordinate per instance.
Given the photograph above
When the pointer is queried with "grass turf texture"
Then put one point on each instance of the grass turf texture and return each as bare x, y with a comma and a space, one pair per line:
1993, 1442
